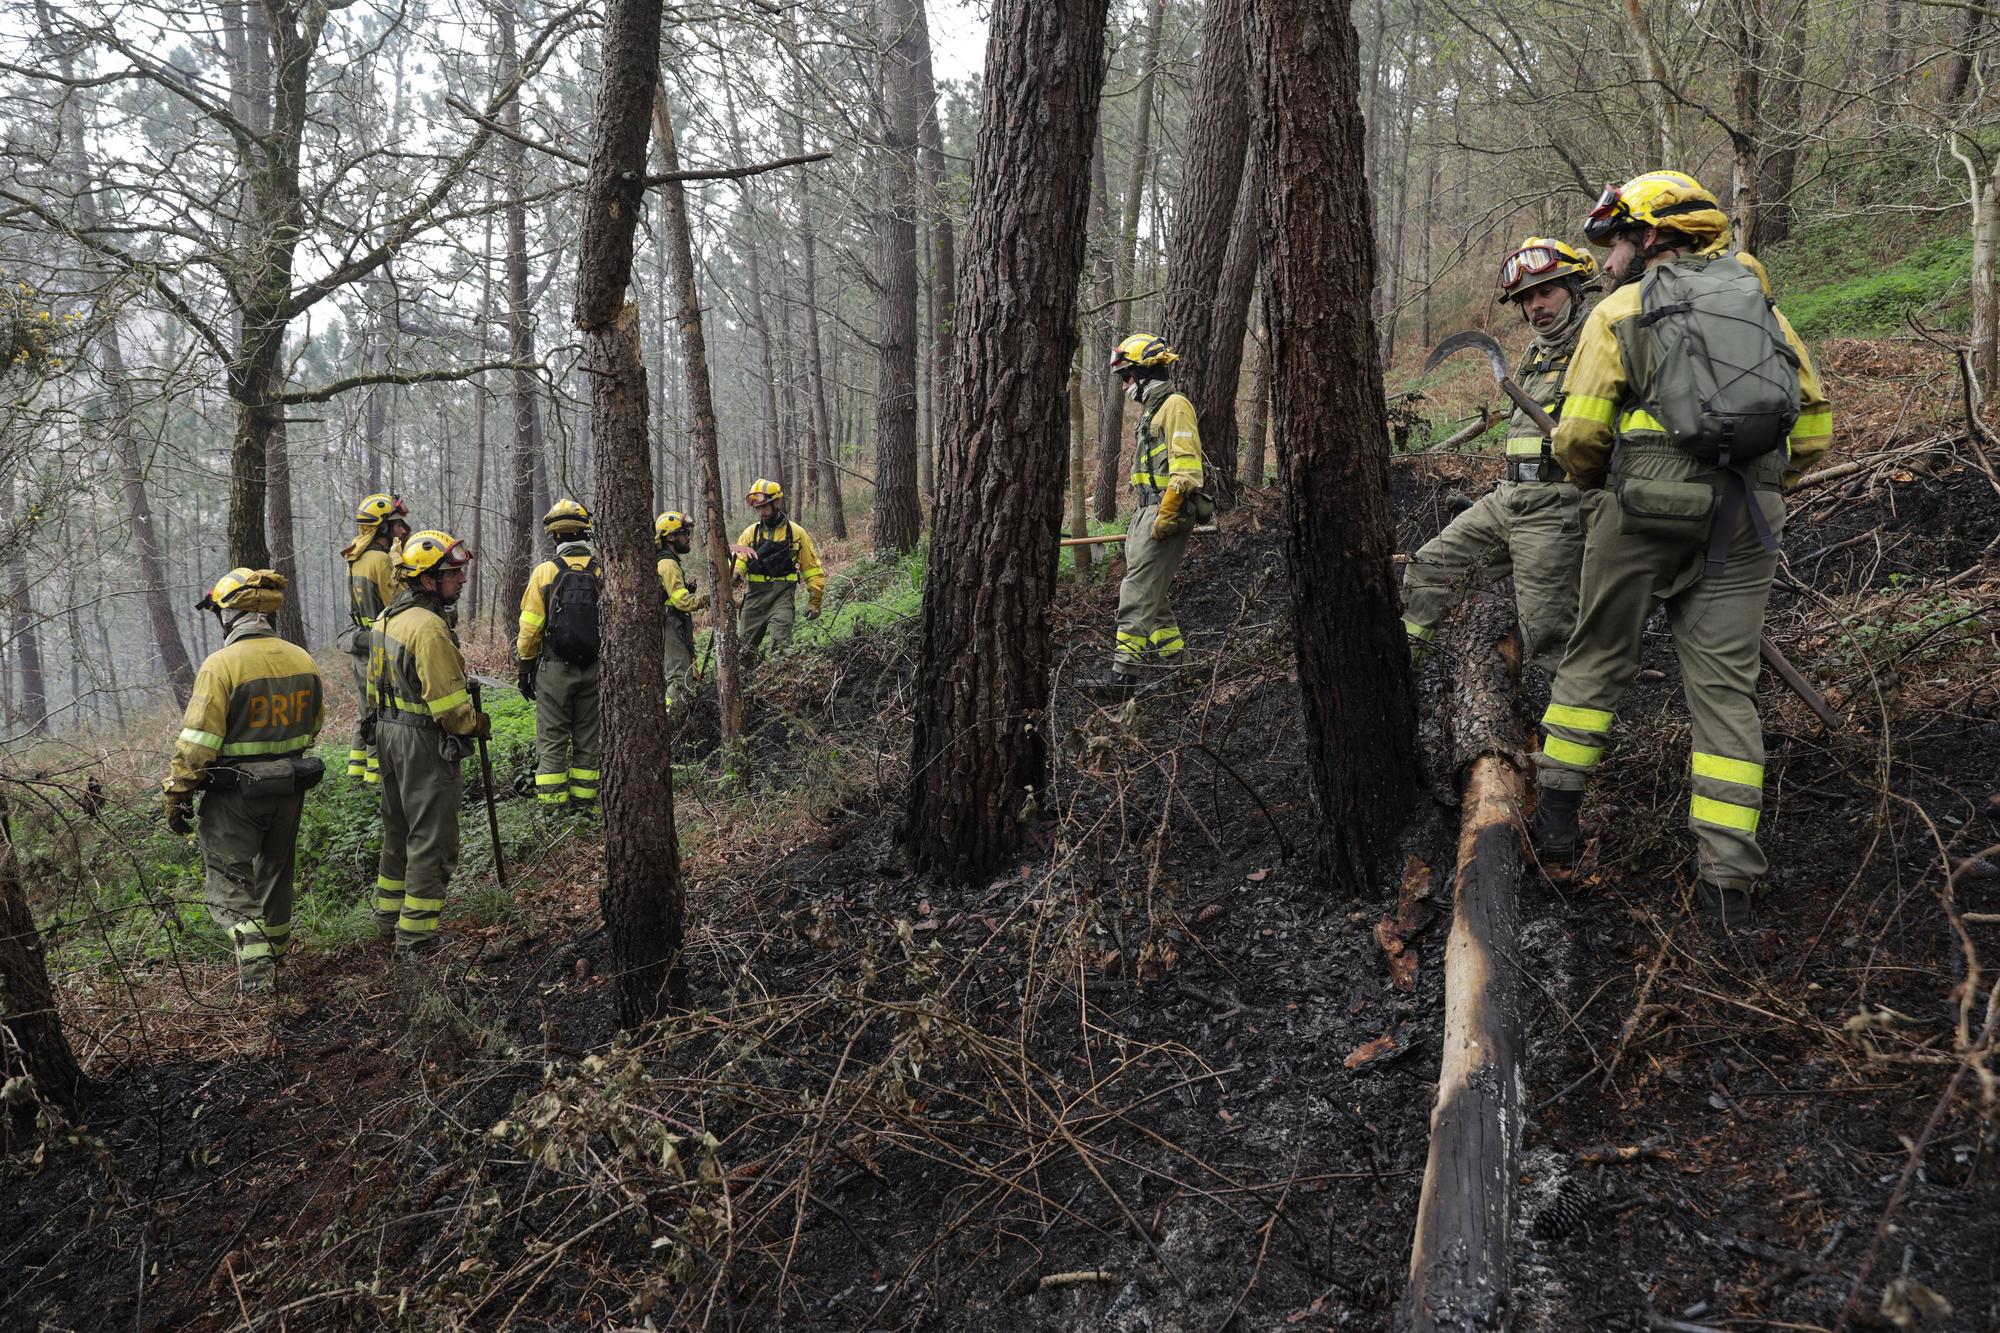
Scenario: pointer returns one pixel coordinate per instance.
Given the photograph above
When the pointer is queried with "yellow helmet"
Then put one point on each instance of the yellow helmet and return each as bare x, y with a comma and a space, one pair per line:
1543, 259
764, 489
566, 517
431, 551
1671, 199
379, 508
1141, 350
244, 589
671, 522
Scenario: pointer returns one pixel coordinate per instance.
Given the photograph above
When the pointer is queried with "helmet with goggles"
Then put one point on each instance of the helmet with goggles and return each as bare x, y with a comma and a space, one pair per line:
1542, 259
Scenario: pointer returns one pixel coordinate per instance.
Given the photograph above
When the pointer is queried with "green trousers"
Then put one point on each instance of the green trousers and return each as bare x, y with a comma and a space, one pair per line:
768, 608
421, 797
1146, 621
569, 732
247, 848
1716, 624
361, 758
1529, 529
680, 669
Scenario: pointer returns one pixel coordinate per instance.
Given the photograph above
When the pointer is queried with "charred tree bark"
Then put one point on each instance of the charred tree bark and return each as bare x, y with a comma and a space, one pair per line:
1110, 396
898, 519
1461, 1255
980, 743
31, 1036
644, 905
678, 243
1333, 440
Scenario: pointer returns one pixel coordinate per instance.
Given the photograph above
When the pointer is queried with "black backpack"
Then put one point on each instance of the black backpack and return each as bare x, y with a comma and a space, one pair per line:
776, 558
573, 613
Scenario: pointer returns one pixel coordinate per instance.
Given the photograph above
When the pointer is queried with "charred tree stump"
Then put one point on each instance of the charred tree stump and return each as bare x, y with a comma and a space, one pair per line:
1460, 1265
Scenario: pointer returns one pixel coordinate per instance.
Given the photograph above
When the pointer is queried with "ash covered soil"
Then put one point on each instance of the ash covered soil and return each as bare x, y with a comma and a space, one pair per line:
1153, 1077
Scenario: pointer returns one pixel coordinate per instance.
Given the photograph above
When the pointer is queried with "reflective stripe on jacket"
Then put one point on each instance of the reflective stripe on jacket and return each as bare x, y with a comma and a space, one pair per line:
255, 697
415, 673
805, 556
1600, 408
1169, 443
371, 585
1540, 375
535, 597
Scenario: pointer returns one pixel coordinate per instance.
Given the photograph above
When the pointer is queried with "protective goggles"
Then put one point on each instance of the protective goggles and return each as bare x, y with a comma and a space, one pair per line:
1607, 217
456, 556
1527, 262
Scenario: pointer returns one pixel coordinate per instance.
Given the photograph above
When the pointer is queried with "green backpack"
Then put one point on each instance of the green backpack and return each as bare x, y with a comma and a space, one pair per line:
1711, 363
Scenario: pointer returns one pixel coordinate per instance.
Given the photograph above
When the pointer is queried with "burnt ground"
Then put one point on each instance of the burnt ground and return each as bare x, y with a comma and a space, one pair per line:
1154, 1077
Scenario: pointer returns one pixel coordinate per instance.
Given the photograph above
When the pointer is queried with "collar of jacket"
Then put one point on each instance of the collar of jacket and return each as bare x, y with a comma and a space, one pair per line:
1154, 393
582, 548
410, 596
252, 625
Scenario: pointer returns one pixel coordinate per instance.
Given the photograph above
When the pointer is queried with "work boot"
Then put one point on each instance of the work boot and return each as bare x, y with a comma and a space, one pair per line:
257, 982
1725, 910
1554, 831
420, 949
1113, 686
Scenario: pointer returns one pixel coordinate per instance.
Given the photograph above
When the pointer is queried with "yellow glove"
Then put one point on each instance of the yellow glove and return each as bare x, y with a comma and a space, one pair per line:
1171, 521
697, 603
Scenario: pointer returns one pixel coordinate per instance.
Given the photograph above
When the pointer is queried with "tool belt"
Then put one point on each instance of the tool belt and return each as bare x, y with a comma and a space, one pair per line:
1544, 468
265, 777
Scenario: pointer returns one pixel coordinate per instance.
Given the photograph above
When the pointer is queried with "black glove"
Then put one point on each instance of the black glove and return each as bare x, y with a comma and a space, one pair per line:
180, 812
524, 679
482, 728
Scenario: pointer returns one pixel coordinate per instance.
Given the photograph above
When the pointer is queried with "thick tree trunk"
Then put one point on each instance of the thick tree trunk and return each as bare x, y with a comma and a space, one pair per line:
1110, 395
1958, 74
944, 260
284, 552
1666, 111
1222, 374
898, 520
33, 1044
1333, 440
980, 742
678, 244
1780, 119
644, 905
1079, 459
1211, 186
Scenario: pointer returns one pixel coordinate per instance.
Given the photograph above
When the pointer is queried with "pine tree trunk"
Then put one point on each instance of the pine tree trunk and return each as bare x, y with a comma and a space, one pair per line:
678, 244
521, 514
1197, 251
32, 1044
944, 263
643, 902
1079, 460
23, 628
1110, 395
898, 520
980, 743
1333, 440
1259, 428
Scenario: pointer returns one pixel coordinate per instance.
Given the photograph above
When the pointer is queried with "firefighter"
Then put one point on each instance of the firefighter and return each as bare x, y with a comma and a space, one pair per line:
381, 522
773, 554
424, 725
1527, 525
557, 667
1677, 512
256, 708
673, 537
1166, 490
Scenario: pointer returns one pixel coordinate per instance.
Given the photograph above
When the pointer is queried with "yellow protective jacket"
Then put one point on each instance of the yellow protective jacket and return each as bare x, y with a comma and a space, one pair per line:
1169, 453
805, 556
255, 697
535, 597
677, 590
1599, 408
416, 675
675, 586
371, 586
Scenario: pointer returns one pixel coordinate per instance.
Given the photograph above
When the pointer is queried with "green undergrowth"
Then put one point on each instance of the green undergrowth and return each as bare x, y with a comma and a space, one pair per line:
1863, 276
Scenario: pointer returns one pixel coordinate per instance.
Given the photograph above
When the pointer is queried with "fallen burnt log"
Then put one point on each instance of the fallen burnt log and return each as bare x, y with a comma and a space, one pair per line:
1460, 1267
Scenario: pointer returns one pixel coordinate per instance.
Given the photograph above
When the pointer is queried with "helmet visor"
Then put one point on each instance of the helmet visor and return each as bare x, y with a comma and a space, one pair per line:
456, 556
1527, 262
1605, 219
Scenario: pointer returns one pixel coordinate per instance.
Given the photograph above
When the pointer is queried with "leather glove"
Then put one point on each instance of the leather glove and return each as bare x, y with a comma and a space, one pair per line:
524, 677
1171, 521
482, 728
180, 812
697, 603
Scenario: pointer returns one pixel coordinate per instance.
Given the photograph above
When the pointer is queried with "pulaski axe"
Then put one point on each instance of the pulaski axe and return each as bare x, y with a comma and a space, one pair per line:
476, 684
1496, 357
